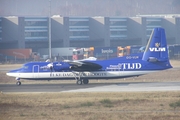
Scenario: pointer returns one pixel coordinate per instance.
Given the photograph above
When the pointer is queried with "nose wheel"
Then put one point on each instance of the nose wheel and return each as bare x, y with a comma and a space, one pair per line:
18, 83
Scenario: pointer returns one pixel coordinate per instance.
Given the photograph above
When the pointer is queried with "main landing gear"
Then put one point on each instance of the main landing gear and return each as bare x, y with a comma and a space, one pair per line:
79, 80
18, 81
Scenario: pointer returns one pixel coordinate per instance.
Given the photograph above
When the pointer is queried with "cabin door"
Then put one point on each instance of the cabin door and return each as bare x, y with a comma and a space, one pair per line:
35, 71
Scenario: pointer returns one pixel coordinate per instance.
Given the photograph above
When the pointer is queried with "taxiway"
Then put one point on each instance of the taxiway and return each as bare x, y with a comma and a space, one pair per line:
93, 87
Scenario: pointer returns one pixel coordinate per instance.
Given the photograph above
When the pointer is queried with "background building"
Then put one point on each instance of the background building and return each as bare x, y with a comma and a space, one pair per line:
33, 32
91, 8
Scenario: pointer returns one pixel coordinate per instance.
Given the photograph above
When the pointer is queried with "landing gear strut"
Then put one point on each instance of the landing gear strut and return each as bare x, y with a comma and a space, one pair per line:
18, 81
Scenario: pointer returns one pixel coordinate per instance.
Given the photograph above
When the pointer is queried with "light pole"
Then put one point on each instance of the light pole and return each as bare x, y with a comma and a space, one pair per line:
50, 30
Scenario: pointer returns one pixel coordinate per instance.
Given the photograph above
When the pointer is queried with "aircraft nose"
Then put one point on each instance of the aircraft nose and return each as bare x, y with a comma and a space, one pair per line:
13, 72
8, 74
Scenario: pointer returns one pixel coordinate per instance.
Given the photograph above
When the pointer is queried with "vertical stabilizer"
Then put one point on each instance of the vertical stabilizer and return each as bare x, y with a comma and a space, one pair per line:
156, 49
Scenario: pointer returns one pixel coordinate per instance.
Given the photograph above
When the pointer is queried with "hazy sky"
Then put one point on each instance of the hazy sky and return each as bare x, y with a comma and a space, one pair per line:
88, 7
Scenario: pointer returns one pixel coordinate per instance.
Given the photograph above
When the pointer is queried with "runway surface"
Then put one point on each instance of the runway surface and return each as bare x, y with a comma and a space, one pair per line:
94, 87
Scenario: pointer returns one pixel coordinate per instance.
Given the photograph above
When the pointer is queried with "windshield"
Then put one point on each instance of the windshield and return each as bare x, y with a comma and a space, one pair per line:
25, 67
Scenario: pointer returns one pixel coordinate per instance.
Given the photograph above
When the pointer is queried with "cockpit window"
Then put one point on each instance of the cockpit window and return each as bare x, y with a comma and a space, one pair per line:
25, 67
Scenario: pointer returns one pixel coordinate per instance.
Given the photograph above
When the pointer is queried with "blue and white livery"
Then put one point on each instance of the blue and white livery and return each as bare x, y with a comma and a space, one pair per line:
155, 58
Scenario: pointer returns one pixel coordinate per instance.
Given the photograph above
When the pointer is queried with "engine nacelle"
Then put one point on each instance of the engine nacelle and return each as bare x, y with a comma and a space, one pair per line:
61, 66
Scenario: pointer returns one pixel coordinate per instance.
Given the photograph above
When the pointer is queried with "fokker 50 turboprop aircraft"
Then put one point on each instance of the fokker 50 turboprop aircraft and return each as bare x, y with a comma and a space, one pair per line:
155, 58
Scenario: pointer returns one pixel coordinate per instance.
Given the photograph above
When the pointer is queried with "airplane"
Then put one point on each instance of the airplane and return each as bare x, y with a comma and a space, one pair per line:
153, 59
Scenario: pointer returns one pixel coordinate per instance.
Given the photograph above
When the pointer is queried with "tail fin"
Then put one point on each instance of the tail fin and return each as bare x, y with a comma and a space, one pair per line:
156, 49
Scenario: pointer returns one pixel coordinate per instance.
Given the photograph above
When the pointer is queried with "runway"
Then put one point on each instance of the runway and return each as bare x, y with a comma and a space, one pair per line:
94, 87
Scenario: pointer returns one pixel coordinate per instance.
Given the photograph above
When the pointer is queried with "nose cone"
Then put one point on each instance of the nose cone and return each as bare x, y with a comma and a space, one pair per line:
9, 74
13, 73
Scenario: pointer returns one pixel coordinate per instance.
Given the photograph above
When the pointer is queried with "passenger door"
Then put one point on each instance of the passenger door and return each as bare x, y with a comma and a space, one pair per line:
35, 71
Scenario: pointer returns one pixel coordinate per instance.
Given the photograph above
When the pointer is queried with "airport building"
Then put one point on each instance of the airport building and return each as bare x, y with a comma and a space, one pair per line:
33, 32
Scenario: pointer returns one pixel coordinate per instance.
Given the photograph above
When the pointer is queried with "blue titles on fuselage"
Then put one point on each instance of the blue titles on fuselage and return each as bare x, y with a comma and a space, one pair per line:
69, 74
61, 74
124, 66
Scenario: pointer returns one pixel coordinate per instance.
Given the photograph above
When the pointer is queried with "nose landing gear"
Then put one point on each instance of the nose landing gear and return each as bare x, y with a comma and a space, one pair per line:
18, 81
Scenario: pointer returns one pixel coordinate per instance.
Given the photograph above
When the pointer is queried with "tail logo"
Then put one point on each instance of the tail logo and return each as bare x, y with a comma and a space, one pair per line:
157, 48
157, 44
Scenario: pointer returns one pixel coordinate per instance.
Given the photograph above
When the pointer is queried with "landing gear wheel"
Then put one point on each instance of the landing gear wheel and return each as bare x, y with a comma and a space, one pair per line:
18, 83
79, 82
85, 81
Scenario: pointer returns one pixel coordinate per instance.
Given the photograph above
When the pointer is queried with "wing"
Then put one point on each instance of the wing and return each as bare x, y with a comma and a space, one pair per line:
84, 66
